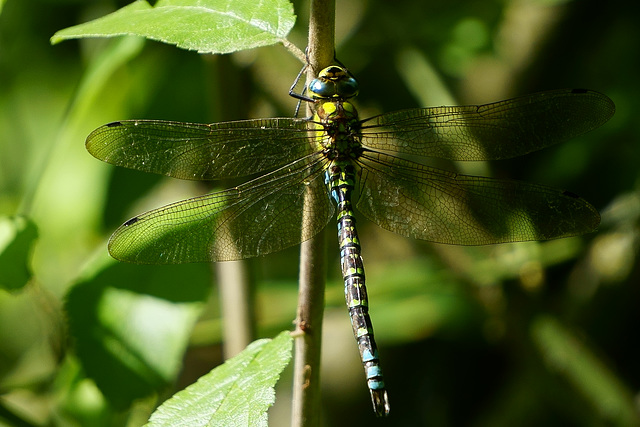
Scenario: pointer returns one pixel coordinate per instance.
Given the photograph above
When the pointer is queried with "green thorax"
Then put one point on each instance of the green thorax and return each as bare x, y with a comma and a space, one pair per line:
337, 124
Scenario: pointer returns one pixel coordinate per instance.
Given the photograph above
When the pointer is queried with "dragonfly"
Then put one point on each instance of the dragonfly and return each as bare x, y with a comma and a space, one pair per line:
309, 169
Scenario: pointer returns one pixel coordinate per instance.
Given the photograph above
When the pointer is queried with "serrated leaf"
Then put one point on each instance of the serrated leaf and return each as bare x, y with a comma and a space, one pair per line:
237, 393
17, 236
207, 26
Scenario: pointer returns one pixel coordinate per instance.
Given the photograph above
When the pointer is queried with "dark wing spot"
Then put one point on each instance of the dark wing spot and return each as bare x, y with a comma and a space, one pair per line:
570, 194
113, 124
131, 221
579, 91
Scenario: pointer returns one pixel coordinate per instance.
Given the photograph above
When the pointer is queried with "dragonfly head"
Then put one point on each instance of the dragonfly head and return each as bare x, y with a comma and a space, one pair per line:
333, 82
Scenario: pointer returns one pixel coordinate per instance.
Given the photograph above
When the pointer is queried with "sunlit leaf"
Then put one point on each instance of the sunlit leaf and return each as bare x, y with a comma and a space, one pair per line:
237, 393
131, 326
17, 235
211, 26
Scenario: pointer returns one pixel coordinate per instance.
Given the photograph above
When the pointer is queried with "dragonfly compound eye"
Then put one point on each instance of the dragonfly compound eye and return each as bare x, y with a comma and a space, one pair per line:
322, 88
347, 88
334, 82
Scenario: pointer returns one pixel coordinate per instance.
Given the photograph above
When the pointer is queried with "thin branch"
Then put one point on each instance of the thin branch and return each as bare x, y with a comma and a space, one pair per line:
306, 381
237, 305
294, 50
306, 370
234, 279
321, 35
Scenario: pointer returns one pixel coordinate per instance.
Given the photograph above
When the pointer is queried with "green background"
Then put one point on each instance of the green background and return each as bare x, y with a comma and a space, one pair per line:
518, 334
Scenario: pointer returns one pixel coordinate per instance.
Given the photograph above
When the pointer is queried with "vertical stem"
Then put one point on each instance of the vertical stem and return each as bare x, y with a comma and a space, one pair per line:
236, 302
234, 280
321, 35
306, 377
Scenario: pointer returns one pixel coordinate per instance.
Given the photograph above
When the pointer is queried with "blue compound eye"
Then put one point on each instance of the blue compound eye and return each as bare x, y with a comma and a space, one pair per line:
334, 82
322, 88
347, 87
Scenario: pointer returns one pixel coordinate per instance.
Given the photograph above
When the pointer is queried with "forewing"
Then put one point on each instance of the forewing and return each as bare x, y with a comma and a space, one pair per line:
259, 217
201, 151
431, 204
499, 130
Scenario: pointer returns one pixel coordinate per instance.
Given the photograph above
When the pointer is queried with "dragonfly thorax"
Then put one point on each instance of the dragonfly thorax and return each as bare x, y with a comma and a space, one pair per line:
339, 129
336, 111
333, 82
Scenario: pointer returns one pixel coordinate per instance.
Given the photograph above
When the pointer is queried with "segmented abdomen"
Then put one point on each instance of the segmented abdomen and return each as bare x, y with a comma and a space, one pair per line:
341, 180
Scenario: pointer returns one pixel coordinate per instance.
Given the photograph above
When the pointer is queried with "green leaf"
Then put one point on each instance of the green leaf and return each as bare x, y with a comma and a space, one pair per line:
208, 26
17, 235
132, 324
237, 393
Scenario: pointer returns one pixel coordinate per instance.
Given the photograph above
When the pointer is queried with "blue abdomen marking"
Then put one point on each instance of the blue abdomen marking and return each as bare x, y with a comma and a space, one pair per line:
341, 180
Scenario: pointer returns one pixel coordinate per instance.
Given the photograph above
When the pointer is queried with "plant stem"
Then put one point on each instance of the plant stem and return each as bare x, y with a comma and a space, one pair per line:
306, 370
306, 377
321, 35
236, 302
294, 50
234, 279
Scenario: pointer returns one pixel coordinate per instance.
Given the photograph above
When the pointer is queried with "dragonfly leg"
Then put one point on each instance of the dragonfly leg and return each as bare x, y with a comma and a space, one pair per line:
300, 96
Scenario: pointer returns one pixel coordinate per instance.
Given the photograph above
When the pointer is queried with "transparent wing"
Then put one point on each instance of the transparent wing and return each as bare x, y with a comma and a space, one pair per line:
202, 151
499, 130
262, 216
432, 204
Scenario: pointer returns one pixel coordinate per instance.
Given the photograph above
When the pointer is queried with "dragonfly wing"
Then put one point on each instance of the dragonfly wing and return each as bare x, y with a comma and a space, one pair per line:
259, 217
499, 130
431, 204
201, 151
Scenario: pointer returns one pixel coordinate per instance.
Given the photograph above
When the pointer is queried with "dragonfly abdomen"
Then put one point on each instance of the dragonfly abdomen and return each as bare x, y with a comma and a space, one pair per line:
341, 180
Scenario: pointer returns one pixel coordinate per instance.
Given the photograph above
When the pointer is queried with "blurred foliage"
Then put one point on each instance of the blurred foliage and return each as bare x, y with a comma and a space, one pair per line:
518, 334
